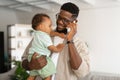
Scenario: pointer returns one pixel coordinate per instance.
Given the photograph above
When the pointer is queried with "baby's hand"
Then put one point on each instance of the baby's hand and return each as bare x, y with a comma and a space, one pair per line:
60, 46
53, 33
62, 35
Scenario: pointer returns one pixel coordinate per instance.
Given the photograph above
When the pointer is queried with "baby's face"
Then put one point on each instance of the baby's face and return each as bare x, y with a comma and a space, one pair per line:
46, 25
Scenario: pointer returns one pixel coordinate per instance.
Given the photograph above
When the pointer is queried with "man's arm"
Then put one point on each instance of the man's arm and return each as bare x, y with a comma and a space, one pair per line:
78, 53
75, 59
33, 64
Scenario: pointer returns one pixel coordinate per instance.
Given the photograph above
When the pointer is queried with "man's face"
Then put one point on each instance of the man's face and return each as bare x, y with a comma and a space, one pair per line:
63, 19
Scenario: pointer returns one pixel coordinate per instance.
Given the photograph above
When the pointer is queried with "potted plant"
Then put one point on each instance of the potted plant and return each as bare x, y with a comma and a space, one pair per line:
20, 73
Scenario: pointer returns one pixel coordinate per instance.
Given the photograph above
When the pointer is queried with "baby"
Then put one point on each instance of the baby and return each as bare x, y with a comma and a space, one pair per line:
42, 44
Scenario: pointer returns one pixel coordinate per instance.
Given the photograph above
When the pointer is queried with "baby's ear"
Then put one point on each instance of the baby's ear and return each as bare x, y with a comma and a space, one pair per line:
40, 26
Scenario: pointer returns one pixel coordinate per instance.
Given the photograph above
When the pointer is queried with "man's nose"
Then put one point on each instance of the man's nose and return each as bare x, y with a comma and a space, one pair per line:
60, 21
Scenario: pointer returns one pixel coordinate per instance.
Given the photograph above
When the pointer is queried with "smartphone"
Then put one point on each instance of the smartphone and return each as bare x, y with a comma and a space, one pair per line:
68, 29
74, 21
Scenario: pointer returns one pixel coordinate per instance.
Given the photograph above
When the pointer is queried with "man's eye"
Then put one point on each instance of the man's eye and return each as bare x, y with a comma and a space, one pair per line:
66, 20
60, 18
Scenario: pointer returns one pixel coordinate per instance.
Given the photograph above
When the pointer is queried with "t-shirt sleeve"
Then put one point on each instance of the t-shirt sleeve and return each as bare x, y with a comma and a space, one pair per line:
46, 39
82, 49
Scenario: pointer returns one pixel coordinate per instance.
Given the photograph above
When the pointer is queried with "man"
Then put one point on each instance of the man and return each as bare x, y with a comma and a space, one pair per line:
73, 60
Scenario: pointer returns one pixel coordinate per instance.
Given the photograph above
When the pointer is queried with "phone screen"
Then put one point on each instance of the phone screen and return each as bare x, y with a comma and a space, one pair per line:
68, 29
74, 21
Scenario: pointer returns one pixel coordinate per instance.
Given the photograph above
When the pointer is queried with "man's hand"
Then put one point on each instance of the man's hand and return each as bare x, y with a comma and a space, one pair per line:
37, 63
25, 64
73, 30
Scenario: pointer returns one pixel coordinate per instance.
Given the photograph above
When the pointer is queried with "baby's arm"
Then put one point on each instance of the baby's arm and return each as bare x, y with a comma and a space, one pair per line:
57, 48
53, 33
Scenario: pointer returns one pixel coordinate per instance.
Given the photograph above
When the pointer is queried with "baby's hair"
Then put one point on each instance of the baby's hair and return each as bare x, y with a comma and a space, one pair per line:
37, 19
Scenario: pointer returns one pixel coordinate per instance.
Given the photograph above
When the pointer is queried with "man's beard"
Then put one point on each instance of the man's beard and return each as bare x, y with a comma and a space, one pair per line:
61, 31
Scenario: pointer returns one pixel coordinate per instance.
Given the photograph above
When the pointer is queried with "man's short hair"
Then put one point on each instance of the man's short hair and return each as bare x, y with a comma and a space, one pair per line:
70, 7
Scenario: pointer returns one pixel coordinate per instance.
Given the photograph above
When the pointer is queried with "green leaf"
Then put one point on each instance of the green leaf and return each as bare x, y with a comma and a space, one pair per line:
20, 73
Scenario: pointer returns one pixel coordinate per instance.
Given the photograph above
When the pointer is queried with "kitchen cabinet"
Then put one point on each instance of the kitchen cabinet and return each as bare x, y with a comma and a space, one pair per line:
19, 36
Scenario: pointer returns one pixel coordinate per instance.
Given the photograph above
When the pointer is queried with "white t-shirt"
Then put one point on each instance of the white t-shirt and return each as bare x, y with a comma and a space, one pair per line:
54, 56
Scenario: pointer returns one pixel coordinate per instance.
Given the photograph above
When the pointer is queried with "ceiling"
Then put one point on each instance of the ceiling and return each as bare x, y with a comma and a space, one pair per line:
53, 5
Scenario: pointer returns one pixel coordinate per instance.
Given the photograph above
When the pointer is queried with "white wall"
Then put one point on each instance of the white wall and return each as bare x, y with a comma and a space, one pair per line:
10, 16
100, 28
